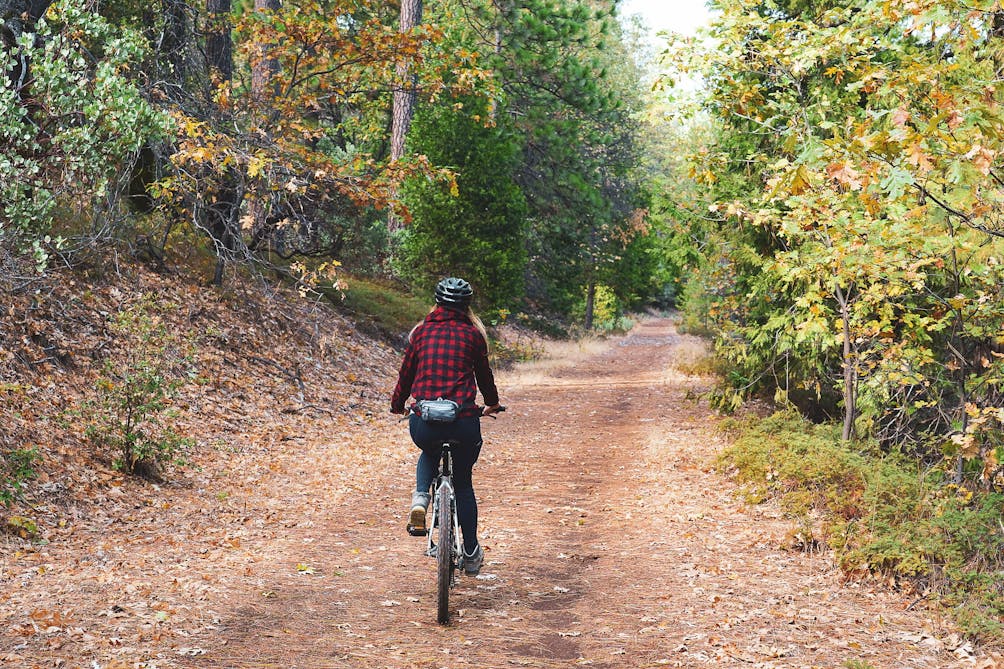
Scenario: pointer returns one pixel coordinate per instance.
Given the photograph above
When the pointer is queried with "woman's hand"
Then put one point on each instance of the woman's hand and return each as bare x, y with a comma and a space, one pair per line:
495, 408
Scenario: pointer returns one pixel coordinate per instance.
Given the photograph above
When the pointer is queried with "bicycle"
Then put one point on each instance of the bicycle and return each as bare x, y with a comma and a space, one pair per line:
444, 531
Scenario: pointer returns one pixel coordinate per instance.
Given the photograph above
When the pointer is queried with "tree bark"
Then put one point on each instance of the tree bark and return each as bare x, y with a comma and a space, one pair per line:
175, 39
264, 90
265, 67
850, 377
219, 44
404, 97
404, 93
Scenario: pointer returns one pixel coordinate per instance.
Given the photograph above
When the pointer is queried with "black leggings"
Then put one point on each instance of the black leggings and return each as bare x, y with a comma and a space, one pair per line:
430, 437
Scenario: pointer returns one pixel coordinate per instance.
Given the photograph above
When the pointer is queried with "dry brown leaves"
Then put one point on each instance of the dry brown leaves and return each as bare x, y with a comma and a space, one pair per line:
610, 542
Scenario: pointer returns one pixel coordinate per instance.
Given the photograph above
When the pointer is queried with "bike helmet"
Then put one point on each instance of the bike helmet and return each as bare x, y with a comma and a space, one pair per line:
454, 292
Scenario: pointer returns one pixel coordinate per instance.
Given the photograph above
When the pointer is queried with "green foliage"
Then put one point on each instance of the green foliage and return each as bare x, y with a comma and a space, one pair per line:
880, 513
792, 456
681, 239
638, 276
71, 140
475, 227
854, 254
565, 135
26, 528
696, 304
504, 355
605, 306
17, 467
621, 324
608, 311
131, 416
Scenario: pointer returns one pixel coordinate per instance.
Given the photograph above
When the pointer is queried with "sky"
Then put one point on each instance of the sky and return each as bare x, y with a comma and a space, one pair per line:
683, 16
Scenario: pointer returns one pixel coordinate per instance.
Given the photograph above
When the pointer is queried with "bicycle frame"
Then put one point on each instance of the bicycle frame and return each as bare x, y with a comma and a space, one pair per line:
444, 482
445, 527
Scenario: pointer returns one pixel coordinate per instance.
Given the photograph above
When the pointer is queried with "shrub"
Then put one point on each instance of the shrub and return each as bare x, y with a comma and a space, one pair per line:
474, 228
880, 513
131, 415
17, 466
390, 307
84, 94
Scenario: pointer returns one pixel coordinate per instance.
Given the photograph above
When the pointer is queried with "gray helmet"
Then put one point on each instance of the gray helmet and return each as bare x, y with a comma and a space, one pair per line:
454, 292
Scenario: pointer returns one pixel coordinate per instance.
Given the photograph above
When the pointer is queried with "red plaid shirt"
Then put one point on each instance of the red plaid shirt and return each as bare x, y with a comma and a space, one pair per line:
446, 357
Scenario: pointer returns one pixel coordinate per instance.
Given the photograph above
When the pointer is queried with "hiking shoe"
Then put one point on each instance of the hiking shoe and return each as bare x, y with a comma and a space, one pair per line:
472, 562
416, 519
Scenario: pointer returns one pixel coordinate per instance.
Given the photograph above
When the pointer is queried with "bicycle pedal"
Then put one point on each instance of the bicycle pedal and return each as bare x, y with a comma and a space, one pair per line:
418, 531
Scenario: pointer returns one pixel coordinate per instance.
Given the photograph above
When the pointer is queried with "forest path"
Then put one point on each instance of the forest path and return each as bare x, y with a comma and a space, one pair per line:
610, 543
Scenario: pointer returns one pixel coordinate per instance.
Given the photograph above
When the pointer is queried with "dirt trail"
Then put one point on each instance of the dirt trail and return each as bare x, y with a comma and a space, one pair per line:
610, 543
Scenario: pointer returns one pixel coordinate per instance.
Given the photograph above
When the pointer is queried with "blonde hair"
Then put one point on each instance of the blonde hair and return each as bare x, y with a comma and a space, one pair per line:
477, 323
473, 317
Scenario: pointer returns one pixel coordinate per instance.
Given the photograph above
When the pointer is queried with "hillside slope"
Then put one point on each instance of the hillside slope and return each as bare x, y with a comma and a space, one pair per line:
253, 364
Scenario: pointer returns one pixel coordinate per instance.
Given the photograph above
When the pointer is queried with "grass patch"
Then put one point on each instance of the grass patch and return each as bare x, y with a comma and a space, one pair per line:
880, 513
552, 356
384, 304
692, 357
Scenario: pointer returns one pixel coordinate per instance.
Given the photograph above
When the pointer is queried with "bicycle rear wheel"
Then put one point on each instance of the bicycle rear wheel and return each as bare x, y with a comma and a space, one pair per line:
444, 555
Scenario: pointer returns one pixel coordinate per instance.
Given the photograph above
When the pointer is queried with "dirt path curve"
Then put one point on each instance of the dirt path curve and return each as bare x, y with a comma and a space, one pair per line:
610, 544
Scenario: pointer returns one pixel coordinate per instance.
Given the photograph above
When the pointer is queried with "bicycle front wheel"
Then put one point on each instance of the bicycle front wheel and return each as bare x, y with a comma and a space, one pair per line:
444, 555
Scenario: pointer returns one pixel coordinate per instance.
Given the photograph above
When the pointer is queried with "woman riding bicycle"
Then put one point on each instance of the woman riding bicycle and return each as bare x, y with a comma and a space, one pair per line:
447, 358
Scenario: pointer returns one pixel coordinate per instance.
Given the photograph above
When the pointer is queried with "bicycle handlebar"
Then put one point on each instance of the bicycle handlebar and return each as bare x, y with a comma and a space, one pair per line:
411, 410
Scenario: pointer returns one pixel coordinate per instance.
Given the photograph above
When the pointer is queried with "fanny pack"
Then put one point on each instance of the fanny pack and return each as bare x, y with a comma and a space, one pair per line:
437, 411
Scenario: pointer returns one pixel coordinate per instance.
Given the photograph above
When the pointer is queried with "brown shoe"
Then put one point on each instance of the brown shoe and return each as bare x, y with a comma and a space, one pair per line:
416, 520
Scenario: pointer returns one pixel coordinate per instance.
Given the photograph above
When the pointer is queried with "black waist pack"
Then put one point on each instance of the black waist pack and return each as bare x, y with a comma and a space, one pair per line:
438, 411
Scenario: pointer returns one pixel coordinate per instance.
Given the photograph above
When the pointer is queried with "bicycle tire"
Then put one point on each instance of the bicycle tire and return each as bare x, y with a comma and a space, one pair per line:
444, 555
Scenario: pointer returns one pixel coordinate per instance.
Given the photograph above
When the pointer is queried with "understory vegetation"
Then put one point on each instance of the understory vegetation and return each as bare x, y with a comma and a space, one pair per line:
881, 513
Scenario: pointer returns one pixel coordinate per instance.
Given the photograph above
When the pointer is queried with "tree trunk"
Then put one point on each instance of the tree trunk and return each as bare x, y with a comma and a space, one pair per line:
590, 305
404, 93
219, 45
850, 376
264, 90
175, 40
265, 67
404, 96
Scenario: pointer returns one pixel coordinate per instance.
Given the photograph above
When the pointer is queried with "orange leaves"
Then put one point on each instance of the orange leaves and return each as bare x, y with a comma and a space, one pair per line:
48, 619
917, 156
980, 438
301, 141
836, 72
845, 175
982, 158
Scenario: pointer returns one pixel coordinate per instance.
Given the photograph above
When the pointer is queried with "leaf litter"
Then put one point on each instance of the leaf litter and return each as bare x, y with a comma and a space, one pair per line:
610, 540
